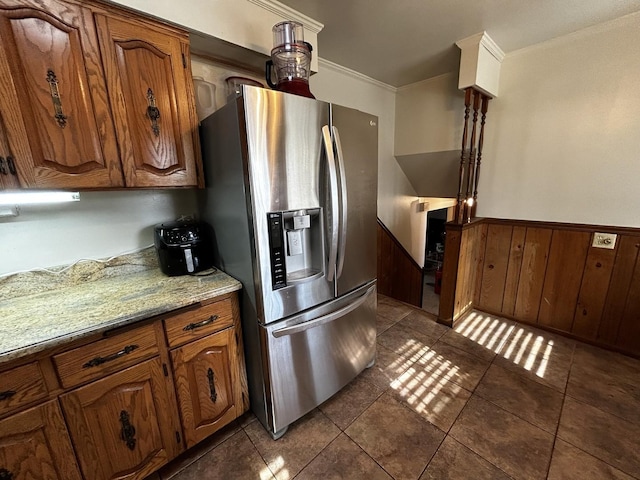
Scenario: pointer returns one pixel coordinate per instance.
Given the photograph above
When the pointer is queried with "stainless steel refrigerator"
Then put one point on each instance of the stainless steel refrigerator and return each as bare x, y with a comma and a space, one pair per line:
291, 195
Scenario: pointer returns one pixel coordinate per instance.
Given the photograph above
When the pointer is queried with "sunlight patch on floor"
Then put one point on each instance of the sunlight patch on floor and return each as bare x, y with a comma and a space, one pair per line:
276, 468
421, 388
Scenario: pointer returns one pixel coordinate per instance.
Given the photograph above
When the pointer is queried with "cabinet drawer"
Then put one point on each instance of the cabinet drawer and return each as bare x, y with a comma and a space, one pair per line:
106, 356
21, 386
197, 323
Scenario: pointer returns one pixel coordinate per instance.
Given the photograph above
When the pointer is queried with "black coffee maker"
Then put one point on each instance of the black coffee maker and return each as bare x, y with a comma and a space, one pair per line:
183, 247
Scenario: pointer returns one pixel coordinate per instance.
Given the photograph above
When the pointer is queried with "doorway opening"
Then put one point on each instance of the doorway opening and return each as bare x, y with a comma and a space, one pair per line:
433, 258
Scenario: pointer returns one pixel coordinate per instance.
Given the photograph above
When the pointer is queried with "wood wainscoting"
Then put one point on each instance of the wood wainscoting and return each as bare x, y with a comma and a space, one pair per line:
464, 247
550, 275
399, 276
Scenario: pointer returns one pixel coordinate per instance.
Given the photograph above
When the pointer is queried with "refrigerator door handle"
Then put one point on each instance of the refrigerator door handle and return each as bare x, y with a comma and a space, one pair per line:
329, 317
343, 202
335, 212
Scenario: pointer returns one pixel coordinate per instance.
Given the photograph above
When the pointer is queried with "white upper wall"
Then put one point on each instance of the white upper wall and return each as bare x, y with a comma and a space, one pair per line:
562, 139
429, 116
345, 87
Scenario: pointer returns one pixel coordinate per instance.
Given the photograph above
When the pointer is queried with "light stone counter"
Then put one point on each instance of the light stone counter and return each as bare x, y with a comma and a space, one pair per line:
40, 310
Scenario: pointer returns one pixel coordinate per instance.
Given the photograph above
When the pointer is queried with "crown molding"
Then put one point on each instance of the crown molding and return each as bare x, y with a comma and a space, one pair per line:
287, 12
352, 73
486, 41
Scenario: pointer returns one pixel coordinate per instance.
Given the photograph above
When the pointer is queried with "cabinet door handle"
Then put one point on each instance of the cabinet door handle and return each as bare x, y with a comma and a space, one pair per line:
128, 432
212, 386
12, 166
5, 474
52, 80
3, 169
193, 326
153, 112
6, 395
100, 360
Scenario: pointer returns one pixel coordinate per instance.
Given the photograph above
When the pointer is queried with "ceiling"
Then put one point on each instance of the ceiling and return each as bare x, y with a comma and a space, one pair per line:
399, 42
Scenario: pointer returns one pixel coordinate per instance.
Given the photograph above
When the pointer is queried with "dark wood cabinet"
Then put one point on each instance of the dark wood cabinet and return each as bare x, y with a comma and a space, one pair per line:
207, 382
53, 96
122, 424
149, 81
95, 97
132, 397
35, 445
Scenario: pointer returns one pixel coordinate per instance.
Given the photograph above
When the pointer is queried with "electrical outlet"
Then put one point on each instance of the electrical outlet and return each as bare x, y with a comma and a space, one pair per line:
604, 240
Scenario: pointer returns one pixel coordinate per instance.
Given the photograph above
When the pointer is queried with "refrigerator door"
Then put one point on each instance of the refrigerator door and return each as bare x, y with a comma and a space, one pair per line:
286, 164
312, 356
355, 136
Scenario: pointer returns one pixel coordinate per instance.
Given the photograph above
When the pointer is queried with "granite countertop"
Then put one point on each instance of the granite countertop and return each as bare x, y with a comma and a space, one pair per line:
44, 309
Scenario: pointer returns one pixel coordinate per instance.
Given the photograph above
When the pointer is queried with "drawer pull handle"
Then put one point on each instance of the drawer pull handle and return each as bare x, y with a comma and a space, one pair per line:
6, 395
212, 385
128, 432
100, 360
3, 169
60, 117
193, 326
5, 474
153, 112
12, 166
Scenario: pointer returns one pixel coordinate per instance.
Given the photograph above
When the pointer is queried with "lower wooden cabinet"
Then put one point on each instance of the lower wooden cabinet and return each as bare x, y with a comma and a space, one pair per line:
132, 398
207, 383
121, 425
34, 444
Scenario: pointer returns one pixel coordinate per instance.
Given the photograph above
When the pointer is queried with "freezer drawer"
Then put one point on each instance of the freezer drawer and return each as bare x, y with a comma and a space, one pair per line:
312, 356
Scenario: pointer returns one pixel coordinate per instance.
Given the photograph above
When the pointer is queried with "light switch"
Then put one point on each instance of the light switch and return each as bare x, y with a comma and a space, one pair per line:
604, 240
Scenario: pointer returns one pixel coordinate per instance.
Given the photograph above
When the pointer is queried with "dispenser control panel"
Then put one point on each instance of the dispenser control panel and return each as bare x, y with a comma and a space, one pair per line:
276, 247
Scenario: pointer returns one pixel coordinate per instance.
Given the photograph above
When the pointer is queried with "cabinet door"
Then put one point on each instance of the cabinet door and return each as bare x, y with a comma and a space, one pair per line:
122, 425
53, 96
8, 171
35, 445
151, 102
206, 377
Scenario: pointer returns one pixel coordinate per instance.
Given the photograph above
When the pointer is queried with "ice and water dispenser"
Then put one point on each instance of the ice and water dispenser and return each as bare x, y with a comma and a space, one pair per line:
296, 246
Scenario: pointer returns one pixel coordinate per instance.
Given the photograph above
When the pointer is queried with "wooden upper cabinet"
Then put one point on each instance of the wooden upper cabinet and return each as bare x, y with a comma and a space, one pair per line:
148, 77
122, 424
53, 96
34, 444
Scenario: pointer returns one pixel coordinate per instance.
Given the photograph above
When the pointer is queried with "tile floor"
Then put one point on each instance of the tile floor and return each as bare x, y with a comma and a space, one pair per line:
491, 399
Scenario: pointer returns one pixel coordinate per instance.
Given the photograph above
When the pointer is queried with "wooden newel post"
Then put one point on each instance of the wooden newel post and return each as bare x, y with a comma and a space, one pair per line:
471, 155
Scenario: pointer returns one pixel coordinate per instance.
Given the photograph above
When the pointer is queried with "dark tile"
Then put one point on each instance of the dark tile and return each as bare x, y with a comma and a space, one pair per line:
234, 459
424, 323
531, 401
392, 309
454, 461
518, 448
384, 323
433, 397
601, 434
571, 463
398, 439
387, 367
343, 460
606, 380
305, 438
458, 366
545, 358
345, 406
197, 451
407, 342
